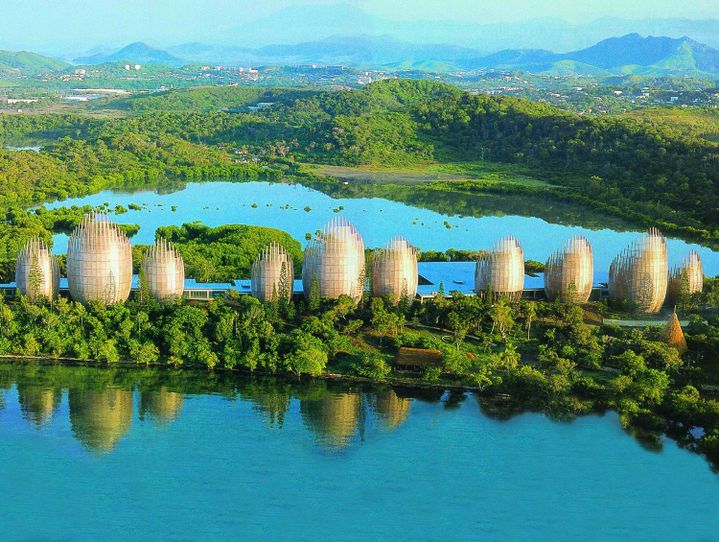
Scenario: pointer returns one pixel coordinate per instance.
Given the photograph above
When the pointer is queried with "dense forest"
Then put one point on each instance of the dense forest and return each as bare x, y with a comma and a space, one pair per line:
648, 169
225, 253
530, 355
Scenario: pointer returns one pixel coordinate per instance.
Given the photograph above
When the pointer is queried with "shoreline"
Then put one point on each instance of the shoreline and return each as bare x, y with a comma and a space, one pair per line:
334, 377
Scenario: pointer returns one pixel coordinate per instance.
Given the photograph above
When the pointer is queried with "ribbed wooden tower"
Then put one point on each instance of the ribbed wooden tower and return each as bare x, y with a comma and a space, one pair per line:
37, 272
687, 277
394, 270
99, 261
569, 272
163, 269
336, 259
500, 272
272, 274
639, 275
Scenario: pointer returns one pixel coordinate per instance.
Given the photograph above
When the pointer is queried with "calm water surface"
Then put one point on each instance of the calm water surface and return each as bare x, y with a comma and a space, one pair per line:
282, 206
125, 454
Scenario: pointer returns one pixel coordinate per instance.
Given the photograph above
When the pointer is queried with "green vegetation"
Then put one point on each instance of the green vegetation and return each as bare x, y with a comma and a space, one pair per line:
649, 171
23, 61
200, 100
224, 253
532, 355
476, 152
693, 121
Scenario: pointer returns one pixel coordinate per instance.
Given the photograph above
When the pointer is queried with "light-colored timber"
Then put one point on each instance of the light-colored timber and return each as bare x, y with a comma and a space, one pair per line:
37, 272
163, 271
569, 272
394, 270
500, 272
99, 261
335, 259
686, 278
272, 274
639, 275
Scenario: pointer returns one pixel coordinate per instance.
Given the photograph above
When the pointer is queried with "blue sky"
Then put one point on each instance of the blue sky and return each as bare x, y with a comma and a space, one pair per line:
82, 24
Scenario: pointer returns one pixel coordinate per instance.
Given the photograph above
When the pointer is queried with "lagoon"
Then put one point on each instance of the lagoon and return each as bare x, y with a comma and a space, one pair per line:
146, 454
541, 227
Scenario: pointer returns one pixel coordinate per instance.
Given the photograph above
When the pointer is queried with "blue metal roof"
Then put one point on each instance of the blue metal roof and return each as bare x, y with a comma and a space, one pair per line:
456, 276
459, 276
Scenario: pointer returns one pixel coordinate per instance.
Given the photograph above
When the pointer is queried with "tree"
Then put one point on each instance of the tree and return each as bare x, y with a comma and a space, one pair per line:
383, 322
501, 314
314, 299
371, 366
308, 355
459, 326
530, 312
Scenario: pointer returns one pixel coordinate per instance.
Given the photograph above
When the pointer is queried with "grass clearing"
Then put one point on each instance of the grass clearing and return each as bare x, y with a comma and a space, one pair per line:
419, 174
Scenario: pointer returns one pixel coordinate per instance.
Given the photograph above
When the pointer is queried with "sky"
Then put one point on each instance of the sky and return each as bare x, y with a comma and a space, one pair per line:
83, 24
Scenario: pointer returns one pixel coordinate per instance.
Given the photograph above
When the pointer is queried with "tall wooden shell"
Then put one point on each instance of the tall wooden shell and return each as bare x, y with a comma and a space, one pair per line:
272, 274
163, 270
336, 259
500, 272
687, 277
37, 273
569, 272
99, 261
394, 270
639, 275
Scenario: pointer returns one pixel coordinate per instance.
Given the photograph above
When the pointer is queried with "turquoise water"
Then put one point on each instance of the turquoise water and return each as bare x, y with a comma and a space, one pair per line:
120, 454
377, 219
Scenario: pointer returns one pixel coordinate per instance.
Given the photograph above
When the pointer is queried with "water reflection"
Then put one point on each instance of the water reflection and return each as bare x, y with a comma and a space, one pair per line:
333, 416
391, 408
161, 405
100, 418
102, 402
38, 403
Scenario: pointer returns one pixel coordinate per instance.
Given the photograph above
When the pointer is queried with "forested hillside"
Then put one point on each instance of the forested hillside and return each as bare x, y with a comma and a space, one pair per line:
648, 170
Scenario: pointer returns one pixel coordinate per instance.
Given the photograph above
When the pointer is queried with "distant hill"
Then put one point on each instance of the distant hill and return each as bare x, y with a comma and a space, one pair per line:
136, 53
630, 54
626, 55
365, 51
300, 23
29, 62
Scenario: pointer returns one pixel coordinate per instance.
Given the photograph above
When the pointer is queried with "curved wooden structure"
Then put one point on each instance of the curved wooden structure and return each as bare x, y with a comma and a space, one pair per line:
37, 272
272, 274
163, 269
394, 270
99, 261
686, 278
569, 272
336, 260
500, 272
639, 275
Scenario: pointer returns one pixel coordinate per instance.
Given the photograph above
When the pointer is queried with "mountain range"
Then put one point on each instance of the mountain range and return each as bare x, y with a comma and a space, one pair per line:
629, 54
306, 23
12, 61
136, 53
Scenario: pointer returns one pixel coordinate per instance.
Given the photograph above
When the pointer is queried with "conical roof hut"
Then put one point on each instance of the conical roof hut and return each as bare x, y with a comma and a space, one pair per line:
673, 334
